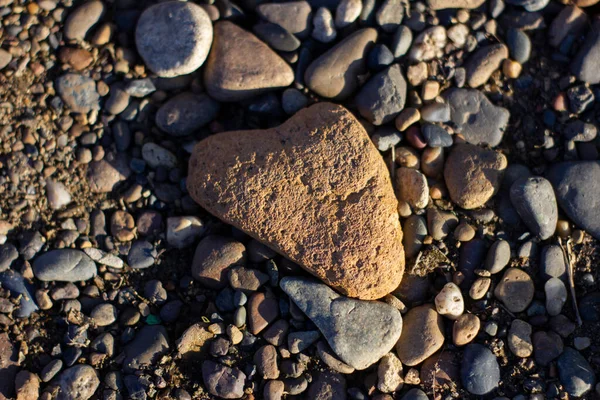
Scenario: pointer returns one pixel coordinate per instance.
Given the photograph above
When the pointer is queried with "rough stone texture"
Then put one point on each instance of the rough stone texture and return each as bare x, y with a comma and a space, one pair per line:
174, 37
443, 4
585, 64
577, 189
149, 344
383, 96
328, 386
476, 118
293, 16
423, 335
78, 92
534, 200
359, 332
519, 338
27, 385
323, 188
78, 382
484, 62
515, 290
473, 175
335, 73
193, 343
230, 75
412, 187
185, 113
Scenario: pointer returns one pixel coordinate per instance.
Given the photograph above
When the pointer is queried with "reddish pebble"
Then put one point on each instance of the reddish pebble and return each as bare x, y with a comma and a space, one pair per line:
560, 102
413, 135
262, 310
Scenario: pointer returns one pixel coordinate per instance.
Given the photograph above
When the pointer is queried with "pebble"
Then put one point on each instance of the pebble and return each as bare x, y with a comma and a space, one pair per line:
347, 12
574, 184
300, 341
141, 255
27, 385
276, 37
50, 370
104, 175
582, 343
223, 381
519, 338
401, 41
458, 34
465, 329
534, 200
475, 117
547, 346
122, 226
412, 187
66, 265
79, 59
389, 15
327, 356
498, 256
483, 62
327, 385
423, 335
186, 113
449, 301
173, 38
104, 314
293, 100
343, 321
293, 16
407, 117
214, 258
57, 193
479, 372
19, 288
183, 231
149, 344
157, 156
262, 310
77, 382
324, 29
265, 359
83, 19
519, 45
428, 44
556, 296
389, 374
571, 20
576, 374
230, 75
117, 101
435, 112
8, 254
583, 66
480, 288
473, 174
440, 223
415, 394
5, 58
415, 231
276, 332
436, 136
515, 290
432, 162
334, 74
444, 4
383, 96
78, 92
273, 390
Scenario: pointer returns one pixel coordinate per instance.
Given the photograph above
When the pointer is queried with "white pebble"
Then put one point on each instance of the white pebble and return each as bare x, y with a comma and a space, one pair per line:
449, 302
428, 45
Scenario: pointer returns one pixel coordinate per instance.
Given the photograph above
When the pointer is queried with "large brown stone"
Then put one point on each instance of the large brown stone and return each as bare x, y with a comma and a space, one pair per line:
241, 66
314, 189
473, 174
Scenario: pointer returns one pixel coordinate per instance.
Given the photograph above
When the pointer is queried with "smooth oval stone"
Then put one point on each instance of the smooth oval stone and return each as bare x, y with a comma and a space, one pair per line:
483, 62
174, 37
18, 286
423, 335
186, 113
552, 262
436, 136
276, 37
293, 16
383, 96
519, 45
141, 255
479, 372
380, 57
515, 290
436, 112
415, 394
401, 41
223, 381
415, 230
444, 4
576, 374
498, 256
556, 296
65, 265
534, 200
82, 19
335, 74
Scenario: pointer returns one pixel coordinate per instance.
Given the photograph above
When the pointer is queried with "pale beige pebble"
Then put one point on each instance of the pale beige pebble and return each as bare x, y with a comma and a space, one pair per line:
417, 74
82, 19
389, 374
27, 385
438, 190
407, 157
449, 301
422, 335
511, 68
183, 231
217, 328
464, 232
396, 303
122, 226
103, 34
319, 164
428, 44
465, 329
578, 236
347, 12
519, 338
491, 26
444, 4
406, 118
234, 334
483, 62
515, 290
43, 299
430, 90
563, 228
458, 34
404, 209
479, 288
463, 16
412, 187
195, 341
412, 377
432, 161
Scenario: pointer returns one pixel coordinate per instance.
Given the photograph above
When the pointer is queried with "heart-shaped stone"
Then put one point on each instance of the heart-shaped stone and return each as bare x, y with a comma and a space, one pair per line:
314, 189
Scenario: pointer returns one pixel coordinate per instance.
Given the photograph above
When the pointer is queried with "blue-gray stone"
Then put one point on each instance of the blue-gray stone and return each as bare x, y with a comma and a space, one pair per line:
581, 98
576, 374
17, 285
141, 255
8, 254
589, 307
579, 131
65, 265
534, 200
383, 96
552, 262
436, 136
479, 371
415, 394
379, 57
186, 113
519, 45
577, 189
149, 344
585, 64
140, 87
170, 311
276, 36
401, 41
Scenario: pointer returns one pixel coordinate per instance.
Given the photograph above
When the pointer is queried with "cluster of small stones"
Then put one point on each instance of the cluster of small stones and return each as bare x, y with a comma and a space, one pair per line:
115, 283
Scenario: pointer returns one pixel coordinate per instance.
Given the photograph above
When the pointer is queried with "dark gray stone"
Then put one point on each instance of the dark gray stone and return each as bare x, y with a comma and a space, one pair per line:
223, 381
530, 5
8, 254
141, 255
479, 372
401, 41
276, 36
534, 200
328, 386
585, 64
552, 262
383, 96
576, 374
415, 394
18, 286
436, 136
519, 44
149, 344
475, 117
65, 265
186, 113
579, 131
577, 189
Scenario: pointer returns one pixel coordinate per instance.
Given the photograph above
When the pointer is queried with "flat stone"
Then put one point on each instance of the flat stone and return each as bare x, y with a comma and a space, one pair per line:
64, 265
383, 96
515, 290
9, 366
78, 92
328, 357
265, 360
78, 382
475, 117
584, 65
186, 113
82, 19
149, 344
79, 59
423, 335
519, 339
534, 200
577, 189
247, 279
473, 175
440, 223
300, 341
576, 374
294, 16
444, 4
519, 45
415, 231
483, 62
359, 332
276, 37
222, 381
174, 37
105, 174
321, 184
479, 372
498, 256
19, 287
230, 75
436, 136
262, 310
335, 74
214, 257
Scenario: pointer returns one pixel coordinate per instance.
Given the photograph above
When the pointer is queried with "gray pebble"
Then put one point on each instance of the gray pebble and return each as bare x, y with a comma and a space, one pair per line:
66, 265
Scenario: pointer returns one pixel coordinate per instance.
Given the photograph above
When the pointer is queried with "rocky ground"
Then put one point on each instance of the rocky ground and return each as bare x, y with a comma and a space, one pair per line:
315, 199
